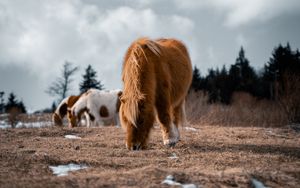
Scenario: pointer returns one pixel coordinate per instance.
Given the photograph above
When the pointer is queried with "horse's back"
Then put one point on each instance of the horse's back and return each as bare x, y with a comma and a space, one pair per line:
177, 67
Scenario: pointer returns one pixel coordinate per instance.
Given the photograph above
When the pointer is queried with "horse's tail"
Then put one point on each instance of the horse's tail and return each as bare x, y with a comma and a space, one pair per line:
135, 57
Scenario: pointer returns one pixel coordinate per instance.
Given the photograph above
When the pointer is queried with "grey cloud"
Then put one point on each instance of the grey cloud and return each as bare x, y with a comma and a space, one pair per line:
241, 12
36, 37
43, 34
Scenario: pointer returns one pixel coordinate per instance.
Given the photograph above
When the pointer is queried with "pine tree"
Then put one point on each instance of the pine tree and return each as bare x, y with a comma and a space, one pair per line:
282, 75
12, 102
223, 83
2, 105
283, 62
90, 80
196, 79
246, 76
22, 107
211, 86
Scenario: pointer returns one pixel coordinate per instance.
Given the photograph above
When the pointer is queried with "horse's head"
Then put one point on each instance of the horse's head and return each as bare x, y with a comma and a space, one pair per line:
57, 119
137, 130
72, 118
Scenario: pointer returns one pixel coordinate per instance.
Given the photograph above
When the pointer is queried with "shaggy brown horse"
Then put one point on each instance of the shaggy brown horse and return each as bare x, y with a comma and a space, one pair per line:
156, 75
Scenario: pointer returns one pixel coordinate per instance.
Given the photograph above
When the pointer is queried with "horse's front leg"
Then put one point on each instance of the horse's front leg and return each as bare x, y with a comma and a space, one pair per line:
170, 130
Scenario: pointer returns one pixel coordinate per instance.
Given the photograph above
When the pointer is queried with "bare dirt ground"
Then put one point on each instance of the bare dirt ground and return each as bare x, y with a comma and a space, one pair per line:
210, 156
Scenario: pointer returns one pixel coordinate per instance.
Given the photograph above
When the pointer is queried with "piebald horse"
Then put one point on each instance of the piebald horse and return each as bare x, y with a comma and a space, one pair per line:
101, 107
156, 77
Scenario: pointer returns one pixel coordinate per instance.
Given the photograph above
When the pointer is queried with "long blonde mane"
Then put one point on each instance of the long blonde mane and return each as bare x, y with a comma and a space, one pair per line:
131, 74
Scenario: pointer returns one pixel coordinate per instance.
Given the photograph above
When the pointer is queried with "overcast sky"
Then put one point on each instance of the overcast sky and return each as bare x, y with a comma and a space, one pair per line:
38, 36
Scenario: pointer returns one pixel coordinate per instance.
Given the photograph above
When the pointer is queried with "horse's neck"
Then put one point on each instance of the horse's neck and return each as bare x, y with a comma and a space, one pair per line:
80, 105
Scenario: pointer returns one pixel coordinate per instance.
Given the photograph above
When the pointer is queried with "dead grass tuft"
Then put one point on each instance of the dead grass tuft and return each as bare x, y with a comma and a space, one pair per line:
245, 110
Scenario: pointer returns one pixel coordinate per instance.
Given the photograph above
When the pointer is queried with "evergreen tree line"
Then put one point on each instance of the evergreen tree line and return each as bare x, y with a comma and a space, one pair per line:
11, 104
272, 82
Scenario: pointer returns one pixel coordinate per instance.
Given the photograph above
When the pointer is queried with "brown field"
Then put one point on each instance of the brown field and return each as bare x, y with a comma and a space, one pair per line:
229, 146
210, 156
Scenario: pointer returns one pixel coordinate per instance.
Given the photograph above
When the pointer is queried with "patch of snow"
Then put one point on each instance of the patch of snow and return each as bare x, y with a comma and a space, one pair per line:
189, 186
173, 156
170, 180
34, 124
257, 184
190, 129
3, 115
62, 170
69, 136
4, 125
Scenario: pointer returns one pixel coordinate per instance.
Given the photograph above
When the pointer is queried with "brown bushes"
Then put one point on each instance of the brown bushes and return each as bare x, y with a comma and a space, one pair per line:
245, 110
289, 99
13, 116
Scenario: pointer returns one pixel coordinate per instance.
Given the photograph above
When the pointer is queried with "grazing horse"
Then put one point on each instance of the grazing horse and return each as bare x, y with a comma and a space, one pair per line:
62, 109
156, 77
101, 107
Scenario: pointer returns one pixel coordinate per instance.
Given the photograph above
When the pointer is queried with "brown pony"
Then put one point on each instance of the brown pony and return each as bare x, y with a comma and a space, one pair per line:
156, 75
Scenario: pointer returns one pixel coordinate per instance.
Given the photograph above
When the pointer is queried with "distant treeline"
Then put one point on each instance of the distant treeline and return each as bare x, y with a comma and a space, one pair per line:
271, 82
279, 80
12, 104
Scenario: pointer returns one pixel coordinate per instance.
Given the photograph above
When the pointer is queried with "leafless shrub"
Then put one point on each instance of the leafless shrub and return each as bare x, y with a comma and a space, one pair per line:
13, 116
245, 110
290, 97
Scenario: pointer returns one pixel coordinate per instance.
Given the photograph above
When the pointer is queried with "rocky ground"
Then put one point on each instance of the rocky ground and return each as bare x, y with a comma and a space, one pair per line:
207, 156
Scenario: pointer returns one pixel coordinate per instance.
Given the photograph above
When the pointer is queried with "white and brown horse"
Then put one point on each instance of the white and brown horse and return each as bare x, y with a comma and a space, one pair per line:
101, 107
156, 75
62, 109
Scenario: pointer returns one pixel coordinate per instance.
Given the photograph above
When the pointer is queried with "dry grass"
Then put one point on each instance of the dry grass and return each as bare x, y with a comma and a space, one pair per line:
29, 118
289, 99
209, 156
245, 110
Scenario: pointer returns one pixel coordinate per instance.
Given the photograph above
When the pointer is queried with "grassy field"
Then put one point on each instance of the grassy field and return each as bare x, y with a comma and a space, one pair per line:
207, 156
234, 145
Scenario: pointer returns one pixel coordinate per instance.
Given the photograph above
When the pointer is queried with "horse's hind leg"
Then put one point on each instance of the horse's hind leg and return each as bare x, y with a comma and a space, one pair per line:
179, 115
165, 116
87, 119
116, 120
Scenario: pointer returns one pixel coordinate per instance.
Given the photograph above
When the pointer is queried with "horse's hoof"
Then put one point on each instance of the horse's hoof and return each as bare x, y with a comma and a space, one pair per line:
170, 142
134, 147
171, 145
